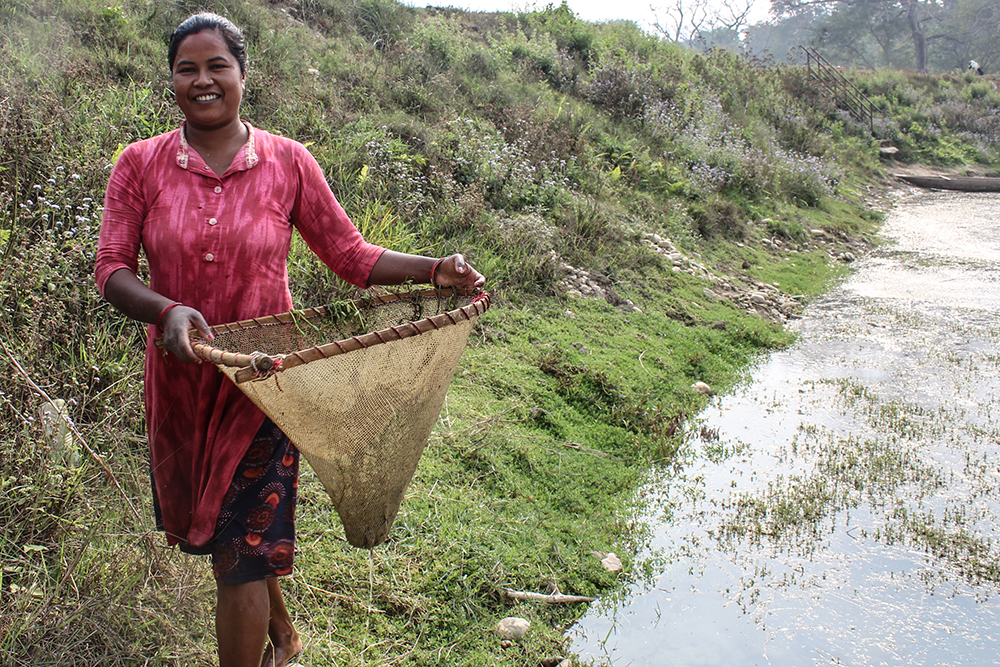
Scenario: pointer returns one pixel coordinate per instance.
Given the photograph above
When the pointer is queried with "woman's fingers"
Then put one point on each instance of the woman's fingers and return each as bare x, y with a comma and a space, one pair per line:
455, 272
176, 324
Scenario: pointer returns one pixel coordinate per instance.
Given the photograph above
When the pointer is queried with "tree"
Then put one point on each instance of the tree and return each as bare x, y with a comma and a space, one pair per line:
703, 22
921, 33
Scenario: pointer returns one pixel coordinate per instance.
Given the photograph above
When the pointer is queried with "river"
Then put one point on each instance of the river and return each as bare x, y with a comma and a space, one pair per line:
842, 506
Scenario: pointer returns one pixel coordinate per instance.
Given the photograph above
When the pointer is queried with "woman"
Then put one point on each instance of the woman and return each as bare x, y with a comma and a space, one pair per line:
213, 204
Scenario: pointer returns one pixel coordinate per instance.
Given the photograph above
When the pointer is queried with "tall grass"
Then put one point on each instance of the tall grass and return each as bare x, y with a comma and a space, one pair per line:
526, 141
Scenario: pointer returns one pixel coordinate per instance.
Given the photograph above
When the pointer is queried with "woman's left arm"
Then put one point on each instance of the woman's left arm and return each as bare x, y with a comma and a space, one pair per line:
395, 268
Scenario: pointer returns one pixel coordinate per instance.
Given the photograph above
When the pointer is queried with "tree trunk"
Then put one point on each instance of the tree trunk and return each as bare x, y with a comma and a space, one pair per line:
919, 39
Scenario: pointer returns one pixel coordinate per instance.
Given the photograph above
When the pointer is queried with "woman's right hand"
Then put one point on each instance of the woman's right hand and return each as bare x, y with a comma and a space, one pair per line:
175, 324
131, 296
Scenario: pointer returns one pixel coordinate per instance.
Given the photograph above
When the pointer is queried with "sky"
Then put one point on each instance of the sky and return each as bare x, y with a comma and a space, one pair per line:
588, 10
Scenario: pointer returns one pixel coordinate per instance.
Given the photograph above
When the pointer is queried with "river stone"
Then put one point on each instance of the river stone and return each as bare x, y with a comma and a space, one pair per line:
513, 627
703, 388
612, 563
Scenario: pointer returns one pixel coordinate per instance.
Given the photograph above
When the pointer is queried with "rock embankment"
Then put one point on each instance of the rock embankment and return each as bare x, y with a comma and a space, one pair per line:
756, 297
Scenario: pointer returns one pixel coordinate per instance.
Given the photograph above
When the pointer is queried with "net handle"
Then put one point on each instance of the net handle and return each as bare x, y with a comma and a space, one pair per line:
259, 365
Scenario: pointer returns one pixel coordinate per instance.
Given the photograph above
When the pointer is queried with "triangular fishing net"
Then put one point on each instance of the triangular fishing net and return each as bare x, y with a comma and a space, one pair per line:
359, 405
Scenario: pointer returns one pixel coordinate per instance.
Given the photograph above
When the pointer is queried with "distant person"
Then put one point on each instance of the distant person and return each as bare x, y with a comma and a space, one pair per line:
212, 205
974, 67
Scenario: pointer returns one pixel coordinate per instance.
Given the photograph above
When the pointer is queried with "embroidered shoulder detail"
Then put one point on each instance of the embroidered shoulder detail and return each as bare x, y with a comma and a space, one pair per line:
251, 149
183, 151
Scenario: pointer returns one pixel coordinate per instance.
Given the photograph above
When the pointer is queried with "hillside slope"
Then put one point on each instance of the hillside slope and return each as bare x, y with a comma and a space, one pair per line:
647, 218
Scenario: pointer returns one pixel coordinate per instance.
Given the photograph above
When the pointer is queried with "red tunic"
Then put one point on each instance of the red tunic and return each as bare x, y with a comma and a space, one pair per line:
219, 245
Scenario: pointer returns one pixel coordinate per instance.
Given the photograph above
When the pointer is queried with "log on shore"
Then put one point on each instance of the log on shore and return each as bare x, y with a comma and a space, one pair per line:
551, 598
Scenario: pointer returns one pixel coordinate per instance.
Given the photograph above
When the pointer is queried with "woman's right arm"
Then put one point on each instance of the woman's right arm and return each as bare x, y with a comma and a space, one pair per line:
118, 260
128, 294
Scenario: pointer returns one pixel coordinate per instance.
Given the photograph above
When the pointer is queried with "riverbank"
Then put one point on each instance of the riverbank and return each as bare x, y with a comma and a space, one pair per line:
839, 505
648, 218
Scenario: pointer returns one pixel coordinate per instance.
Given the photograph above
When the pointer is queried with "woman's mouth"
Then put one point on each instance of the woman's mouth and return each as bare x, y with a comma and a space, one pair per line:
208, 97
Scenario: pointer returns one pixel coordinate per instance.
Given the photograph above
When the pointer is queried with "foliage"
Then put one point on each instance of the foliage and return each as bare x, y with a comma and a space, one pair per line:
938, 119
530, 142
921, 35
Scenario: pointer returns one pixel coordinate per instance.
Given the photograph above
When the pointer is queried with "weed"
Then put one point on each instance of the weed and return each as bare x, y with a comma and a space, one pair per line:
525, 141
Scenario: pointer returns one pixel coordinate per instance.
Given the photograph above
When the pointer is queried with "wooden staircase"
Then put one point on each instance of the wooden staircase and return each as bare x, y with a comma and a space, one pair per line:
844, 93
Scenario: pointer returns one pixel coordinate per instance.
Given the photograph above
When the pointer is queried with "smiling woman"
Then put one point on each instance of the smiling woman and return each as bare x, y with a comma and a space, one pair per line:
209, 75
213, 205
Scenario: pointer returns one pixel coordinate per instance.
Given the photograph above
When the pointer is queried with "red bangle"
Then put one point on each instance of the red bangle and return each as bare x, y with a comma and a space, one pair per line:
165, 310
433, 269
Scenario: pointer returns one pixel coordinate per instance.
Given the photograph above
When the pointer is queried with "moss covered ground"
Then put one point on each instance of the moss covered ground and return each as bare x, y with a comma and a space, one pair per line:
530, 142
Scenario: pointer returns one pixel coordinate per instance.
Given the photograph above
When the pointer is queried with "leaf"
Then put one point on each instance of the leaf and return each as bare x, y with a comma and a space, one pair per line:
117, 153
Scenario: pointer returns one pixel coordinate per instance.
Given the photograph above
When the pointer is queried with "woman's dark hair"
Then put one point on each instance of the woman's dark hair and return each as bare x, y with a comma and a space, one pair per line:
231, 35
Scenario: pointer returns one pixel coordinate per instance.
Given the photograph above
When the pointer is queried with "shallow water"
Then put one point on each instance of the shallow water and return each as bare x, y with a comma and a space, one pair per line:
843, 506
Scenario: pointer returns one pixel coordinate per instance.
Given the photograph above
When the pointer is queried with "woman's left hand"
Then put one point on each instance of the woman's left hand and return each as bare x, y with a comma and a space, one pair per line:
454, 271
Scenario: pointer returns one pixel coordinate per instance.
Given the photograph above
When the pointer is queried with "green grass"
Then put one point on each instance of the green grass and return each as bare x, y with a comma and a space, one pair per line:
525, 141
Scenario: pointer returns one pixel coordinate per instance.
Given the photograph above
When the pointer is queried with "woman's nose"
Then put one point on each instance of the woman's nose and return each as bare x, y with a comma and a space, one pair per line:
204, 78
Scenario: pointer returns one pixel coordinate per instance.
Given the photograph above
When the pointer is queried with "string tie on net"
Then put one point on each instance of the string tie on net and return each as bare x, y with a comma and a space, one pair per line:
264, 366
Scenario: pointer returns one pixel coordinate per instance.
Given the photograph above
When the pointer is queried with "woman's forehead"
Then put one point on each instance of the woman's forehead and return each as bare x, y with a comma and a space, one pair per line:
204, 45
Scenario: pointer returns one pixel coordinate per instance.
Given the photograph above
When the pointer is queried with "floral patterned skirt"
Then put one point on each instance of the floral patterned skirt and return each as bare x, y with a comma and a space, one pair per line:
255, 532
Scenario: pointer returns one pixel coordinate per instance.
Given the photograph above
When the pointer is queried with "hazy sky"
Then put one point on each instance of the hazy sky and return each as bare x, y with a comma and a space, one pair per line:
588, 10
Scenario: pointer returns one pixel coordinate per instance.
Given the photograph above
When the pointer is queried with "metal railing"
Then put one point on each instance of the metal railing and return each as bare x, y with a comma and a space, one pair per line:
844, 92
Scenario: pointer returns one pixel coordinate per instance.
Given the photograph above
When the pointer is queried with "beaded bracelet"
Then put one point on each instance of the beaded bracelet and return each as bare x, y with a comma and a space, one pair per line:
433, 269
165, 310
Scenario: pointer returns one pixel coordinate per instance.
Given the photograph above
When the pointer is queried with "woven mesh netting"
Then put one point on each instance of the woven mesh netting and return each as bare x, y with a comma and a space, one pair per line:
359, 406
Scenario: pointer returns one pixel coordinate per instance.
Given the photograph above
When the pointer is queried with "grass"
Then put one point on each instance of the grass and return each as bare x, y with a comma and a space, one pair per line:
527, 141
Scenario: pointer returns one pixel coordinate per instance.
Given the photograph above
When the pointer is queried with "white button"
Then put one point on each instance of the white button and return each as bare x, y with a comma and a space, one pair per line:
212, 221
209, 257
218, 189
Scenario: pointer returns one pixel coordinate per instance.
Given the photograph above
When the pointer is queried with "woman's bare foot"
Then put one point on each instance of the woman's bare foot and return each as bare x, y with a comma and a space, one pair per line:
285, 642
280, 651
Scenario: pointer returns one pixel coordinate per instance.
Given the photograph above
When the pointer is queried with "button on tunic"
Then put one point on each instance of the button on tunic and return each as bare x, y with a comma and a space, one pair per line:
220, 245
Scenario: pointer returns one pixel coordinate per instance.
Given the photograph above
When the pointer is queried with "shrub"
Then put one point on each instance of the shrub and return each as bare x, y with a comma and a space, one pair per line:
718, 218
381, 22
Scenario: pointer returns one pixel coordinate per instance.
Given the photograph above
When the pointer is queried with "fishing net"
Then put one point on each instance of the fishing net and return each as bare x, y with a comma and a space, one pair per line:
358, 405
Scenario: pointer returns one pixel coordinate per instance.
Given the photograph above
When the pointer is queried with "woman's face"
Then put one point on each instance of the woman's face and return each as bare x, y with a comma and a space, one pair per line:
208, 82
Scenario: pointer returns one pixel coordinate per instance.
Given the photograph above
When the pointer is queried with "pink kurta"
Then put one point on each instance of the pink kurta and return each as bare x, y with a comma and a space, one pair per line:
219, 245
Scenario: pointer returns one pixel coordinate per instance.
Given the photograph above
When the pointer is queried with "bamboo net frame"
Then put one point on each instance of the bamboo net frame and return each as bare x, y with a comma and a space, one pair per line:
356, 386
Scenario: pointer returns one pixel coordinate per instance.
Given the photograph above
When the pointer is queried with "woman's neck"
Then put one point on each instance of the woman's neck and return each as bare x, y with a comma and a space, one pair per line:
233, 134
217, 147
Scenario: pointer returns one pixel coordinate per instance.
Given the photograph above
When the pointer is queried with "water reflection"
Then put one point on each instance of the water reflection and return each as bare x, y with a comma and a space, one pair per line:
843, 506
